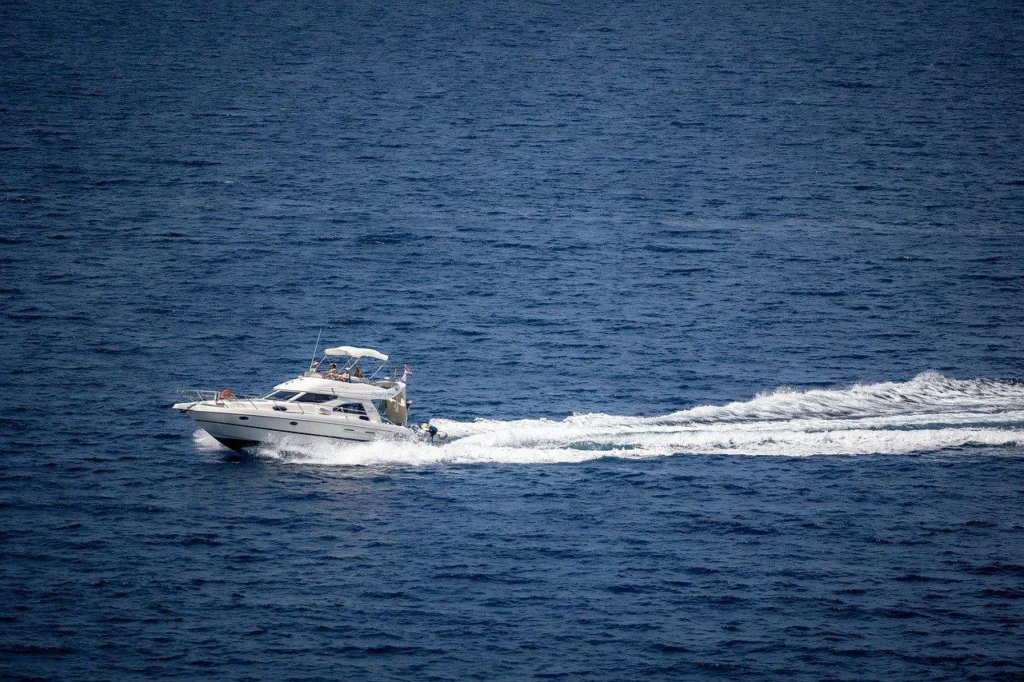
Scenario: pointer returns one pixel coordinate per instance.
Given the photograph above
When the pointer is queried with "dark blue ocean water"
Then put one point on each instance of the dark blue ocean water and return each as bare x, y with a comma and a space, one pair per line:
722, 304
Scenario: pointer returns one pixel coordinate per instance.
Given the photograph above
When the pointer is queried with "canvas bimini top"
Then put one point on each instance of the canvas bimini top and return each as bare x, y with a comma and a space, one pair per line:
353, 352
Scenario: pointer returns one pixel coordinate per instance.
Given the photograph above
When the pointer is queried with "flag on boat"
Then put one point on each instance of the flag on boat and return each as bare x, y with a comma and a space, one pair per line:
406, 373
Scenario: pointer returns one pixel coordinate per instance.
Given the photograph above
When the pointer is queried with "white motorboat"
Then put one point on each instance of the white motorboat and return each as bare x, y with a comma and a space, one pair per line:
335, 404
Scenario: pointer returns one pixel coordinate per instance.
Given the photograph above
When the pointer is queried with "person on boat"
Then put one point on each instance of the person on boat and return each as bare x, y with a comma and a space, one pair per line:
344, 376
358, 373
333, 374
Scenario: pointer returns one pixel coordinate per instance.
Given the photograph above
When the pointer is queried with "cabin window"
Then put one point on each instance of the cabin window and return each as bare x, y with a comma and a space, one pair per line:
282, 395
314, 398
351, 408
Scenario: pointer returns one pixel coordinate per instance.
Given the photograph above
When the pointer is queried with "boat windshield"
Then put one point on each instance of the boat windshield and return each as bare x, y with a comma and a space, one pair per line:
282, 395
314, 398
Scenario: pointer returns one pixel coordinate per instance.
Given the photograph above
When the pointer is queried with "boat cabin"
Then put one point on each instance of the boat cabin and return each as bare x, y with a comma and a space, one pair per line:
346, 391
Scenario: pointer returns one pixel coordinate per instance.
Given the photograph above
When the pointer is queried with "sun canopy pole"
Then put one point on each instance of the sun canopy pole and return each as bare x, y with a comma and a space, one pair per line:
312, 361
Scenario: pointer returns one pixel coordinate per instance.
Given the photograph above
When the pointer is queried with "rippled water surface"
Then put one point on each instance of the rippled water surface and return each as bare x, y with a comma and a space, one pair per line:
721, 305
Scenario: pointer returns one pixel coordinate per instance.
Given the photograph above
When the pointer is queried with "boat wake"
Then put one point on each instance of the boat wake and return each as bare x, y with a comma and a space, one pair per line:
929, 413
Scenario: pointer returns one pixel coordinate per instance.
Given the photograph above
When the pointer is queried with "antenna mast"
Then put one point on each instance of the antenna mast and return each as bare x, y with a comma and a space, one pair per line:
312, 362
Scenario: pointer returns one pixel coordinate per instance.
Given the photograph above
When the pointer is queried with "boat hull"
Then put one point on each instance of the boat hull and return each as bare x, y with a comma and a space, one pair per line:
240, 428
237, 445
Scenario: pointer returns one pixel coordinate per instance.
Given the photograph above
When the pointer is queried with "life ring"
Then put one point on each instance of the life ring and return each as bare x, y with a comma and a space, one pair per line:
226, 394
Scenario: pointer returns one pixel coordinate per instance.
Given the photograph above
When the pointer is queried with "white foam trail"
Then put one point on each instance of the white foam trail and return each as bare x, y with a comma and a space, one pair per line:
928, 413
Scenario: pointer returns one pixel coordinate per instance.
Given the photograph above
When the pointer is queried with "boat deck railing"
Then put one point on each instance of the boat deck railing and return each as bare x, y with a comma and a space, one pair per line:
202, 395
219, 398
